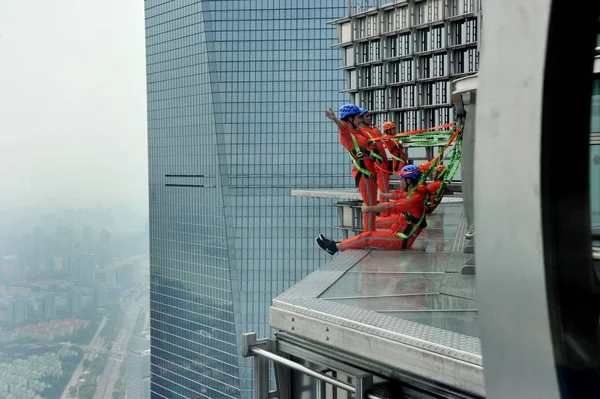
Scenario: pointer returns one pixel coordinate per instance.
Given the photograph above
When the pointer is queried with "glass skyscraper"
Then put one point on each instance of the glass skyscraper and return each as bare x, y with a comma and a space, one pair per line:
236, 94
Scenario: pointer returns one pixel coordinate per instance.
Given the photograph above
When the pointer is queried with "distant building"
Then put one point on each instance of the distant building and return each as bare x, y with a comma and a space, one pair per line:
138, 375
79, 267
119, 275
48, 306
139, 342
110, 276
138, 269
100, 296
21, 269
146, 387
19, 309
104, 246
75, 302
127, 276
8, 267
87, 239
226, 237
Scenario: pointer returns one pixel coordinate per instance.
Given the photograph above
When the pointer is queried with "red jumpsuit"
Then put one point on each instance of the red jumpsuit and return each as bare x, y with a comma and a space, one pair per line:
367, 185
431, 202
386, 222
412, 209
397, 151
383, 178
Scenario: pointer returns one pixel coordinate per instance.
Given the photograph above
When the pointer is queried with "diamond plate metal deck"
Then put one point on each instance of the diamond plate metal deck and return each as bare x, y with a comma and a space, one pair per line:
418, 335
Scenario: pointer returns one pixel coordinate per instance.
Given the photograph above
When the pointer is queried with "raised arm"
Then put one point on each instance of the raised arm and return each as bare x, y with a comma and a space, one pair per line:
331, 115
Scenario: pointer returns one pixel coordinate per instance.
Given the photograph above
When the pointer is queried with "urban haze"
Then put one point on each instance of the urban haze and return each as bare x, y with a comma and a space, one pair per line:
74, 263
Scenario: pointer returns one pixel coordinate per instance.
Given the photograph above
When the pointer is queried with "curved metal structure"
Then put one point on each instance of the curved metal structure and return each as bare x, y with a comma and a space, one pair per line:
464, 99
534, 261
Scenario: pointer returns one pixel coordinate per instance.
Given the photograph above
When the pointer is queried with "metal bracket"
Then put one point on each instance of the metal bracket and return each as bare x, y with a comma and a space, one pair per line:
249, 341
459, 107
468, 267
261, 364
363, 384
469, 247
468, 270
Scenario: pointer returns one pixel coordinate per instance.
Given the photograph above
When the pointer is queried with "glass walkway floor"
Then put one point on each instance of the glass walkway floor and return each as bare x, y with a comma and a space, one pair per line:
421, 285
412, 311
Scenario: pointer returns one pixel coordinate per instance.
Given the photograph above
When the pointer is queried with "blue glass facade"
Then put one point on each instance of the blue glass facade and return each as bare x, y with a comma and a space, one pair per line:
236, 94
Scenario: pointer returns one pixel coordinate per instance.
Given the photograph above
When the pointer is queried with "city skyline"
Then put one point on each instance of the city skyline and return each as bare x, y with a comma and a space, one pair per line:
74, 202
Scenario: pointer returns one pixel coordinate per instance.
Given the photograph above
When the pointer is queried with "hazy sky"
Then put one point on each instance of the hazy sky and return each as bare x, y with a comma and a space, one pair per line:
72, 102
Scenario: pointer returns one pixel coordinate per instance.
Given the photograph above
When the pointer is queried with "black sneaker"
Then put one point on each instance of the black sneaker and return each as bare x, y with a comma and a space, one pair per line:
326, 240
326, 244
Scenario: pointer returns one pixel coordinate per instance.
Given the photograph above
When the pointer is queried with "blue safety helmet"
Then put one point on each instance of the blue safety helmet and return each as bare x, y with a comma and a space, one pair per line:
348, 110
412, 172
363, 111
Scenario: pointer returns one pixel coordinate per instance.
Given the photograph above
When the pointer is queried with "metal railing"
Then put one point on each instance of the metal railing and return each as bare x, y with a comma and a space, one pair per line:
252, 347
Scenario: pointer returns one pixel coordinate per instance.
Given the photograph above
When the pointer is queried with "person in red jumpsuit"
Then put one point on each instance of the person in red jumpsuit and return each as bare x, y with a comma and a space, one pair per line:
386, 222
433, 199
402, 234
399, 159
379, 156
359, 147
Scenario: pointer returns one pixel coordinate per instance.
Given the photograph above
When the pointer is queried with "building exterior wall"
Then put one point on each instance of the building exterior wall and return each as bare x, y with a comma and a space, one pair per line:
236, 94
399, 58
138, 374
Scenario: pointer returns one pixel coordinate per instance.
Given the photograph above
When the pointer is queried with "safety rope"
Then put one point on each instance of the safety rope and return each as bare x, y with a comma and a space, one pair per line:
428, 165
427, 168
426, 136
450, 171
425, 143
413, 132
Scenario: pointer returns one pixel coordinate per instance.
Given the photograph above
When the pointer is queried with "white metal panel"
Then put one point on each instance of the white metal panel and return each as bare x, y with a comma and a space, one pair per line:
402, 18
515, 329
460, 7
361, 27
436, 10
374, 22
353, 79
346, 32
404, 44
350, 56
472, 6
389, 21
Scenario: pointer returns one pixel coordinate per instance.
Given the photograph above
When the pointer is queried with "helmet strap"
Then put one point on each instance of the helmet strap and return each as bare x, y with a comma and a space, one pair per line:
351, 121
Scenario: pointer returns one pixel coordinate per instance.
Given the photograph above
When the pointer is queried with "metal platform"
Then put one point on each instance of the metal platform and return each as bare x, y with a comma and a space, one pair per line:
409, 311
